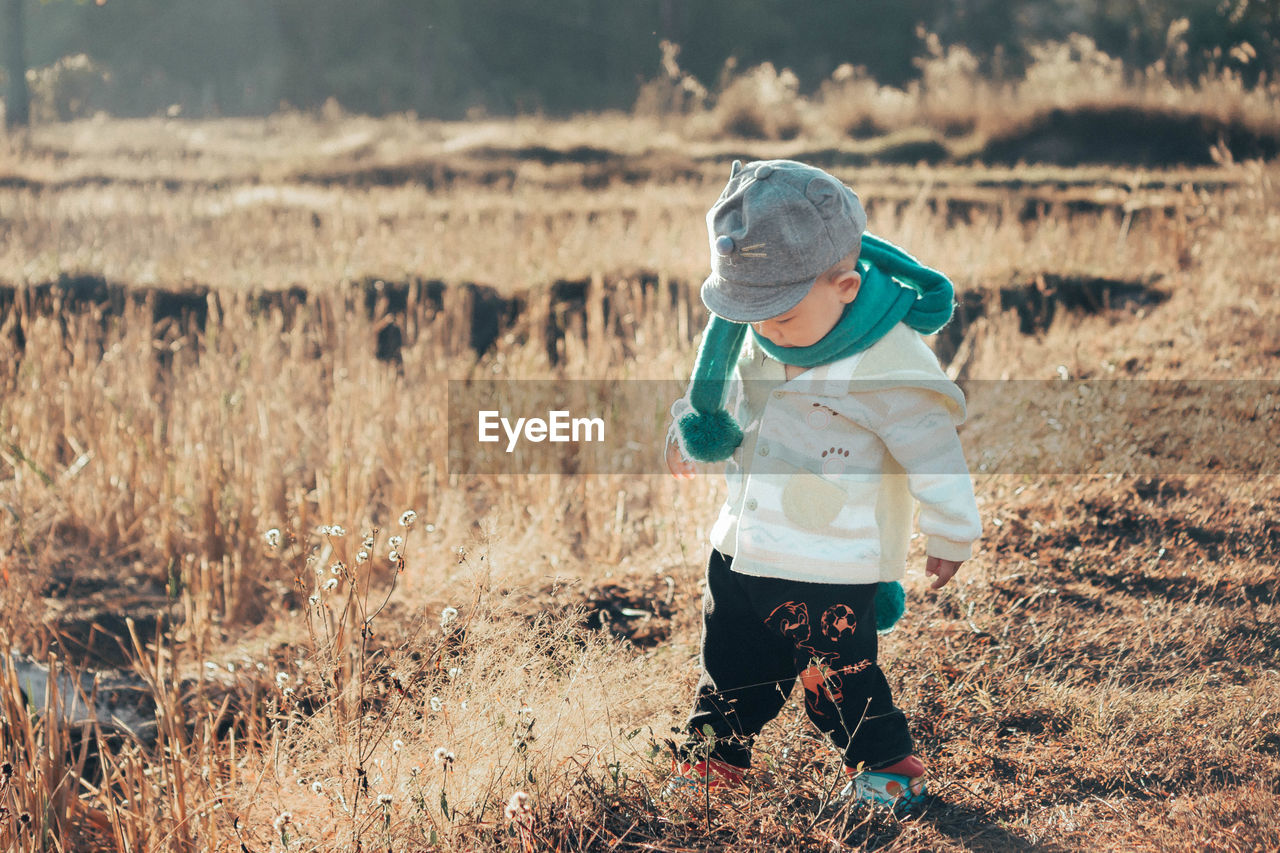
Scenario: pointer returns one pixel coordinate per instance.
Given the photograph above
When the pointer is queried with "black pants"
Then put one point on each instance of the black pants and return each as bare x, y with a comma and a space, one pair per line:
759, 635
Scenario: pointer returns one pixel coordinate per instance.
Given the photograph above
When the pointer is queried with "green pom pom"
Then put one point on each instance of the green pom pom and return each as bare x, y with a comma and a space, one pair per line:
891, 601
710, 437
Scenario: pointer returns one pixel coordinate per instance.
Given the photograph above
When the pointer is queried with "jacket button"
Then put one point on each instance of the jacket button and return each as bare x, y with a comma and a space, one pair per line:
751, 504
764, 450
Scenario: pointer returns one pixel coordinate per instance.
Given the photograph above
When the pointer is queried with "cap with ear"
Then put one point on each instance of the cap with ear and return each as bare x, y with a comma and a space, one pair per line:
826, 197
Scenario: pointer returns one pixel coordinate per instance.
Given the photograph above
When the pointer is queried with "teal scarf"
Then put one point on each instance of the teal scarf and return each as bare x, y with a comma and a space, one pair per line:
896, 288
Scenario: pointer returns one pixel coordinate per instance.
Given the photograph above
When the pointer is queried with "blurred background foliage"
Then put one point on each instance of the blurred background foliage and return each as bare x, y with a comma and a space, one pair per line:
452, 58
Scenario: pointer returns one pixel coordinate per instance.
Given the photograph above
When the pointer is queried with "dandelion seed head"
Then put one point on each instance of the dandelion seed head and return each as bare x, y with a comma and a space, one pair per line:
316, 787
436, 703
385, 800
367, 543
396, 541
273, 537
282, 820
455, 671
336, 568
362, 556
397, 745
430, 528
281, 678
393, 555
517, 806
331, 583
337, 531
324, 530
313, 600
448, 615
408, 518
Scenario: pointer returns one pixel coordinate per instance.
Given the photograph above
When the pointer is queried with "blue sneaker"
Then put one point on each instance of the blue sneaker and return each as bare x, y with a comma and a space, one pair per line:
900, 786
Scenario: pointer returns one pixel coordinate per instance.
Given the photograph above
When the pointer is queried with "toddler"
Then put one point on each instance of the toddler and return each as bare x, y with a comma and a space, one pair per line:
814, 382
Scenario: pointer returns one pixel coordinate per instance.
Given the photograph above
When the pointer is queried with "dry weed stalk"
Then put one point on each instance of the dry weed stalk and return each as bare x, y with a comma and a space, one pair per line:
40, 802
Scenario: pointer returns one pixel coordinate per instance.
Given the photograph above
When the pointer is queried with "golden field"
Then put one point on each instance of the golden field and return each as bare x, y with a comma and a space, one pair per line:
192, 399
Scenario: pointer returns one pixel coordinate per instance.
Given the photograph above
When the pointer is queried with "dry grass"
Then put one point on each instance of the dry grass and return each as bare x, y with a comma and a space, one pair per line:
1103, 677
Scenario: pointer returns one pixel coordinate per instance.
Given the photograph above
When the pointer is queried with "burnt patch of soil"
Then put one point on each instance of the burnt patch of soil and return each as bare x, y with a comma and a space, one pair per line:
1038, 302
641, 615
893, 152
637, 610
90, 609
1160, 488
1128, 135
581, 155
432, 174
500, 168
82, 294
398, 310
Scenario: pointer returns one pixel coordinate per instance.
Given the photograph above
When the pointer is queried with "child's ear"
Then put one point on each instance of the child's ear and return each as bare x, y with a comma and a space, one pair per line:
847, 284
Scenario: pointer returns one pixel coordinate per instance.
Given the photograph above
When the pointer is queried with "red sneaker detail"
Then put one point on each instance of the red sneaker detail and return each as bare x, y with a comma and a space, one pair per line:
717, 773
911, 767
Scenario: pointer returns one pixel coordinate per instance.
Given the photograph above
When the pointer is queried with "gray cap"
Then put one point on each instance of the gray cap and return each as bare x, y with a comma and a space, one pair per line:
777, 226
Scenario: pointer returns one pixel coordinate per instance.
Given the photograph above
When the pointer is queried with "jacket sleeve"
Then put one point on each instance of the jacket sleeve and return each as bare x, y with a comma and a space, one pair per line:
918, 429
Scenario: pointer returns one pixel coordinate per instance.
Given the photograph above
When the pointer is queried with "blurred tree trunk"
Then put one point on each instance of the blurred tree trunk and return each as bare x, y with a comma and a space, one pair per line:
18, 105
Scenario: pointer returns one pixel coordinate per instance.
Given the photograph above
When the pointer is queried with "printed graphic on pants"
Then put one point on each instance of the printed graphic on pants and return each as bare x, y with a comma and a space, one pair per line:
838, 621
821, 672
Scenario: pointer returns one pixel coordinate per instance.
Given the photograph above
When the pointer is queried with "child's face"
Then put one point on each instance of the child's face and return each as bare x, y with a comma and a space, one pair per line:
815, 315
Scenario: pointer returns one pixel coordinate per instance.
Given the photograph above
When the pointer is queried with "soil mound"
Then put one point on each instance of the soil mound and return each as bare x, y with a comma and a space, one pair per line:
1129, 135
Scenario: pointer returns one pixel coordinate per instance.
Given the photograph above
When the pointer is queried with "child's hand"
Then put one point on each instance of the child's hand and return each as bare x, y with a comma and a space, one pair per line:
680, 468
942, 570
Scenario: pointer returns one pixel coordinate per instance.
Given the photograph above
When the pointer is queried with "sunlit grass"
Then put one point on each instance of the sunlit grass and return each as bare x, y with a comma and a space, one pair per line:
1102, 675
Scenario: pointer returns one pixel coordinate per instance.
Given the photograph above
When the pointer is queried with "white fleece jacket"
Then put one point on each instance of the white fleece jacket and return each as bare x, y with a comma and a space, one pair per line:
821, 487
